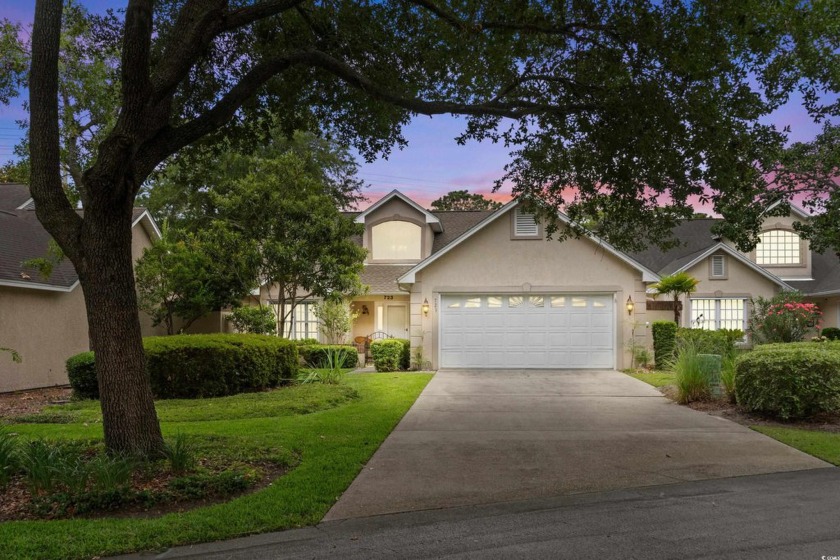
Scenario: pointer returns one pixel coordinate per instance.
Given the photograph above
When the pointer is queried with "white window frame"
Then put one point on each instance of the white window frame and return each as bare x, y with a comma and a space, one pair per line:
776, 249
715, 323
383, 241
309, 321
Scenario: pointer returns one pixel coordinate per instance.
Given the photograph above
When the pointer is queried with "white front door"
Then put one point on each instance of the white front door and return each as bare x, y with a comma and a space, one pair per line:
528, 331
396, 320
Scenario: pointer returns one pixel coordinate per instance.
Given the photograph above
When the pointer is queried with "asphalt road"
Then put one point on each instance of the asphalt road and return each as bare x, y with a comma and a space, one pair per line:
786, 515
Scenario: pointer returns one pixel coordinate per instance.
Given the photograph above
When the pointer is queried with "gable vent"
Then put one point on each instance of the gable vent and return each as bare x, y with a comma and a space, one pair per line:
718, 266
525, 224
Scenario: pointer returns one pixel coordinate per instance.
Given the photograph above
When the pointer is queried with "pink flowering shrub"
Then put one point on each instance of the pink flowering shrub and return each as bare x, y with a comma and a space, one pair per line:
784, 318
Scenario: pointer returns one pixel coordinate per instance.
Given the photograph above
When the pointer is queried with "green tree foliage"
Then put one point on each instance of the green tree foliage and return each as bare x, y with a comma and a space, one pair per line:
610, 108
183, 277
464, 200
676, 285
254, 320
336, 320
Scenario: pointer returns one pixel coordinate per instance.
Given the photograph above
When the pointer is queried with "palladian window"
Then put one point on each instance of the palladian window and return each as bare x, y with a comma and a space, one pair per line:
396, 241
778, 247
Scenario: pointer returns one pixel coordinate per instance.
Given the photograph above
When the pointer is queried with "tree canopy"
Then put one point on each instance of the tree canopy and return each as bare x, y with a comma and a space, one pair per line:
621, 109
464, 200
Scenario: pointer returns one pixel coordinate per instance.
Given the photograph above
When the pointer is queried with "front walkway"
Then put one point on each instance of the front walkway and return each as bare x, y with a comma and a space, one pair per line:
479, 437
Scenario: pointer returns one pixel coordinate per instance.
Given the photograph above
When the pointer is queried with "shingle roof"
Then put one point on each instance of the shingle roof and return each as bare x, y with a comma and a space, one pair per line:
22, 237
825, 269
382, 278
695, 236
455, 224
12, 196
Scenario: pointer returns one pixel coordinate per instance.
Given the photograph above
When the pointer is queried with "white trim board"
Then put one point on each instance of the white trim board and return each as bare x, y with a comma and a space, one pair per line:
431, 219
738, 256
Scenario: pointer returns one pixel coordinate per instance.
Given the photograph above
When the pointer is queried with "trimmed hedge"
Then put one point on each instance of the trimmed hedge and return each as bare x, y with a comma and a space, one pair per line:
389, 354
720, 342
317, 355
831, 333
794, 380
664, 343
202, 365
81, 370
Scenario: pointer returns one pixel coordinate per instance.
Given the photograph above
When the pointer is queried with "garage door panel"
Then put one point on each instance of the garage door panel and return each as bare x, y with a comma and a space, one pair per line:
528, 331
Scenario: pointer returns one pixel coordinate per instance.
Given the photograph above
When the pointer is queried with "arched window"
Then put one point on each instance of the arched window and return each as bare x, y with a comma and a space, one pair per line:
396, 241
778, 247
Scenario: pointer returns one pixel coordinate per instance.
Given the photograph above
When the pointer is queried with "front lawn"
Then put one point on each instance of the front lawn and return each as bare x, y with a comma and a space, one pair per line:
823, 445
658, 379
330, 445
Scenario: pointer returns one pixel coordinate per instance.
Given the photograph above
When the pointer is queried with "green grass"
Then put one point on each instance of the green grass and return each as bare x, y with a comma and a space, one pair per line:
332, 446
656, 378
302, 399
823, 445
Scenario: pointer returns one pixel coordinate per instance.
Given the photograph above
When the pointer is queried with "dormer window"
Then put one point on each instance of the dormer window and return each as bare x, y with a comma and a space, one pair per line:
396, 241
778, 247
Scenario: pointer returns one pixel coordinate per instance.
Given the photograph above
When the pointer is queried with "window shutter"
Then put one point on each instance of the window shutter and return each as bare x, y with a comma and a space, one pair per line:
718, 266
525, 224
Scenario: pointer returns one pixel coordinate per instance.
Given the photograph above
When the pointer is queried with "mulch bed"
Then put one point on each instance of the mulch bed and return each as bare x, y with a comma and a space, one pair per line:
730, 411
31, 402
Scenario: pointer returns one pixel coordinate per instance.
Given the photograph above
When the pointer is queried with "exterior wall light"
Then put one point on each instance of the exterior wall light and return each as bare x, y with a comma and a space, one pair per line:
425, 307
630, 305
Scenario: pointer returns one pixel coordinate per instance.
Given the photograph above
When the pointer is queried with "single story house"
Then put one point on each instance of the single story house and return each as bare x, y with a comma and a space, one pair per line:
488, 290
44, 319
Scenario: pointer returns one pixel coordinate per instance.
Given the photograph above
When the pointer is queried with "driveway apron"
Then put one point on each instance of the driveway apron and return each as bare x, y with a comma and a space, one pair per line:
486, 436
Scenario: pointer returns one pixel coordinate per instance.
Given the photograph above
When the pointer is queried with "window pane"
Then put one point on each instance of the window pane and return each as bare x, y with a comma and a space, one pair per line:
596, 303
536, 301
472, 303
558, 301
703, 314
494, 302
731, 314
777, 247
514, 301
578, 302
454, 305
396, 240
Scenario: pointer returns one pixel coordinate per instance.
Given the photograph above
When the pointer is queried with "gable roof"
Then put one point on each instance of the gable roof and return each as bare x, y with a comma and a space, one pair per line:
22, 237
410, 276
431, 219
691, 260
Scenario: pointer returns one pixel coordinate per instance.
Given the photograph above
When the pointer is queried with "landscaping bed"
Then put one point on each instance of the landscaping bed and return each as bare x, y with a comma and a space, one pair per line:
31, 402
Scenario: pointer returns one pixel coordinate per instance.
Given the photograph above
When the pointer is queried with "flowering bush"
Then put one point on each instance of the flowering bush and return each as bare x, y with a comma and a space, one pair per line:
784, 318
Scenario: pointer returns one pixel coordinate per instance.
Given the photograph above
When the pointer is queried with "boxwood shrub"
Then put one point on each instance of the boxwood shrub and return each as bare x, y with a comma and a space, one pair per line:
831, 333
81, 370
202, 365
387, 354
664, 343
317, 355
794, 380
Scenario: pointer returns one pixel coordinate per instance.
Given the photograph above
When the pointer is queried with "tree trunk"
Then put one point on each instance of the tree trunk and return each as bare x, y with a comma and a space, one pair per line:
677, 310
128, 410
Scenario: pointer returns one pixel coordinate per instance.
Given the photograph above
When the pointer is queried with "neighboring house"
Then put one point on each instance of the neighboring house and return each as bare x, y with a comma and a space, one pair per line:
487, 290
44, 318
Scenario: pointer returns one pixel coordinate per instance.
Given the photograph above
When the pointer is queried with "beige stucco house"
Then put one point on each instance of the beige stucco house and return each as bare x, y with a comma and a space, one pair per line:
488, 290
44, 319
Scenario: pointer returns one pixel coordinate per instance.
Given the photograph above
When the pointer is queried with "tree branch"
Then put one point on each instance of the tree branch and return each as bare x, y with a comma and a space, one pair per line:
51, 204
136, 48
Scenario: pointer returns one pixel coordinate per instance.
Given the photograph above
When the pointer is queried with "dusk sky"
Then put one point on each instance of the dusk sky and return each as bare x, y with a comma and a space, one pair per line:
430, 166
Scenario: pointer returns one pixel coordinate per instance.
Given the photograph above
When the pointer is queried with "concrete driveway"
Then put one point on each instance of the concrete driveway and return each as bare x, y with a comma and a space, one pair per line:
480, 437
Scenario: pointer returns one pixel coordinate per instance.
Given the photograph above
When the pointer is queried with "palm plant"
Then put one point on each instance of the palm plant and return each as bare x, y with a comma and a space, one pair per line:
676, 285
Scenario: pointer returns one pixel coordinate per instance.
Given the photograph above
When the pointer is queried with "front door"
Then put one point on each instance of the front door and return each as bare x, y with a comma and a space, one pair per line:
396, 320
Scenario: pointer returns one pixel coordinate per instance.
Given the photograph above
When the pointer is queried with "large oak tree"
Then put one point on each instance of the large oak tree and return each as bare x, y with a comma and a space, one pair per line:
614, 106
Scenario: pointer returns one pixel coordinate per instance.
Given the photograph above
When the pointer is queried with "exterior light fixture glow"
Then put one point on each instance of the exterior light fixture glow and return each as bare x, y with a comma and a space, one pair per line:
630, 305
425, 307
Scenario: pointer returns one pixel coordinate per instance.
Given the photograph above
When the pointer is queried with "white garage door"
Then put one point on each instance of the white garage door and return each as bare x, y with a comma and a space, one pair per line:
527, 331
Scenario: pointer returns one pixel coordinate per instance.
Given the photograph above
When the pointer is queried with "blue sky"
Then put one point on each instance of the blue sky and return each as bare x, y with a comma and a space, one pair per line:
430, 166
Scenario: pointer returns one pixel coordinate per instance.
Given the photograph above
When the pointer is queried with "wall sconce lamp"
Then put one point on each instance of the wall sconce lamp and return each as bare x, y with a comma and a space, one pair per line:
365, 310
630, 305
425, 307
